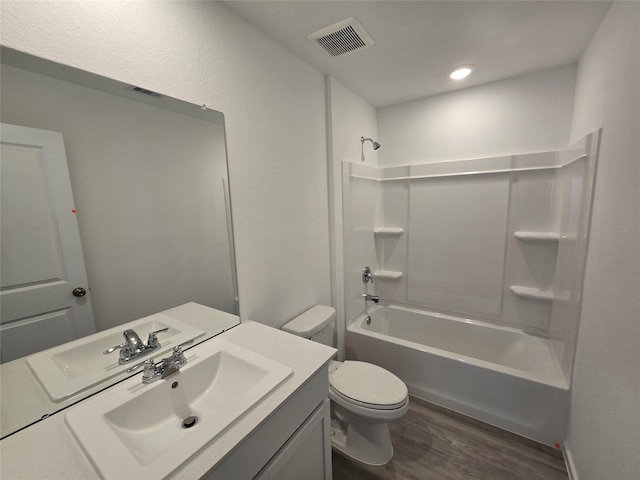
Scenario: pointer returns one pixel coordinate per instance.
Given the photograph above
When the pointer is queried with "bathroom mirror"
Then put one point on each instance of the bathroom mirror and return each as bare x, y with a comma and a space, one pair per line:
149, 183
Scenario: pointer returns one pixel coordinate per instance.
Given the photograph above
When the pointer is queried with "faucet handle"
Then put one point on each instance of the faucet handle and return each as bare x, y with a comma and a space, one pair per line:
149, 369
152, 339
178, 348
178, 354
178, 359
367, 275
139, 365
113, 349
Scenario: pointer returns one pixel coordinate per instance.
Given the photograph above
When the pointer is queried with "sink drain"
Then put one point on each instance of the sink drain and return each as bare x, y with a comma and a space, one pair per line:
190, 421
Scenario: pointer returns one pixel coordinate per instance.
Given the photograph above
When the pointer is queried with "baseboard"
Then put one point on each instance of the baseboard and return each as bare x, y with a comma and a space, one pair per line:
568, 461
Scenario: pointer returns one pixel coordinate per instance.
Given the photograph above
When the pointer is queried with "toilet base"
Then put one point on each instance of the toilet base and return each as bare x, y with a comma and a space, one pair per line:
369, 443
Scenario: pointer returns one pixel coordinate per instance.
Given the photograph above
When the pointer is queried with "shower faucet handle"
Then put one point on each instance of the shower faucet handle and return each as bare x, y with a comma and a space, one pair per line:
367, 275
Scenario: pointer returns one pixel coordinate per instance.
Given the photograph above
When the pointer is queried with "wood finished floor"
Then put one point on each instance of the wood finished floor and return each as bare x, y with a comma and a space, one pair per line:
432, 443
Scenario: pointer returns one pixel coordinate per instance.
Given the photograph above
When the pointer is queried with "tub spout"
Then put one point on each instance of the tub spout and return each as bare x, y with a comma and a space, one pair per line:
373, 298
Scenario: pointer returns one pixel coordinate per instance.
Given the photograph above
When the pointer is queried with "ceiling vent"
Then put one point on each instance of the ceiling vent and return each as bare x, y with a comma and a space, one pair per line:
341, 38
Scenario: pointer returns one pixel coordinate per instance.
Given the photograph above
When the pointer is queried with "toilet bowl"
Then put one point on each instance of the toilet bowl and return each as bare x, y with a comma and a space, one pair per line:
364, 397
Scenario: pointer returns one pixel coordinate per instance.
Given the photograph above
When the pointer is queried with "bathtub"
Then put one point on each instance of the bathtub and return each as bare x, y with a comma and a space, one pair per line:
498, 375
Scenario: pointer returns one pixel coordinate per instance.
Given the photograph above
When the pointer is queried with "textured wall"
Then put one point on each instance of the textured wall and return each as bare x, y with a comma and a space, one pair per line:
530, 113
274, 108
350, 117
604, 430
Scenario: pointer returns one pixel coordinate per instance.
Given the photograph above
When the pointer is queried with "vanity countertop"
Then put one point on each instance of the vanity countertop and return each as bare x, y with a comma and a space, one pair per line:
48, 450
31, 401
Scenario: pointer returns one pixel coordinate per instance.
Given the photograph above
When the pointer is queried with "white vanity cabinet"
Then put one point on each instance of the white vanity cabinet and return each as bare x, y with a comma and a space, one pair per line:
286, 435
293, 444
307, 454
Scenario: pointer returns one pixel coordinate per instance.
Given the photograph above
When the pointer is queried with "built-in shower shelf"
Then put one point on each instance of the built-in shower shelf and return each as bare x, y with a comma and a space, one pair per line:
537, 236
535, 293
387, 275
388, 231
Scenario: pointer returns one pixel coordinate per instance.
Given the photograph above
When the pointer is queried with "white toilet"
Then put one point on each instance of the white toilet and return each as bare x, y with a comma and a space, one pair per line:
364, 397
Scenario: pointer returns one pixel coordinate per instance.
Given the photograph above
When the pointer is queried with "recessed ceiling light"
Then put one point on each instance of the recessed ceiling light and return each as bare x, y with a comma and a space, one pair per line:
458, 73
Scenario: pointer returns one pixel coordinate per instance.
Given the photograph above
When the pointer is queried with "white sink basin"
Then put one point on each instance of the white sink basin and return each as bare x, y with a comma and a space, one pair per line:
147, 431
73, 367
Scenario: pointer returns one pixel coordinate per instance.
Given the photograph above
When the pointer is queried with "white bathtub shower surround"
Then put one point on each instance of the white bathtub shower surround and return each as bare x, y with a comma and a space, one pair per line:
455, 248
498, 375
573, 197
445, 269
502, 239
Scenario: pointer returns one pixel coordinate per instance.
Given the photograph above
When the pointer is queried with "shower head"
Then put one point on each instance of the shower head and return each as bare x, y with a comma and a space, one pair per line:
375, 144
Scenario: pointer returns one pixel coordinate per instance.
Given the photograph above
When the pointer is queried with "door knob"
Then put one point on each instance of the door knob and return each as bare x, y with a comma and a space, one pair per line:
79, 292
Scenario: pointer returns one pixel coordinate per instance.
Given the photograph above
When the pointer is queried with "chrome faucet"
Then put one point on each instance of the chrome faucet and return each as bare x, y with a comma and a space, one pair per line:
133, 347
132, 341
165, 367
367, 275
373, 298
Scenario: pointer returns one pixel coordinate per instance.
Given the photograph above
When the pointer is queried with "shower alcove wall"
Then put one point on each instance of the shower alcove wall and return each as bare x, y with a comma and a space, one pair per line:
498, 240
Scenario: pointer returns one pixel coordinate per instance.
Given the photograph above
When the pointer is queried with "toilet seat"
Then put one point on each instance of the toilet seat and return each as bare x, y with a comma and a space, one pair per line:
362, 407
367, 385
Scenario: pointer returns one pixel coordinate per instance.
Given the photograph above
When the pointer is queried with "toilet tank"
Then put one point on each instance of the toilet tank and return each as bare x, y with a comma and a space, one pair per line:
316, 324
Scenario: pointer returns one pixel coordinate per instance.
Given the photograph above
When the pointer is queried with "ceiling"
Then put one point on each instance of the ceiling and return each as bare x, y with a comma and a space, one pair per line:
417, 42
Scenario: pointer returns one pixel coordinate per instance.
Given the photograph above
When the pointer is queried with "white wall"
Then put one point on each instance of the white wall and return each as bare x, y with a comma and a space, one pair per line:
274, 109
352, 117
530, 113
604, 427
349, 118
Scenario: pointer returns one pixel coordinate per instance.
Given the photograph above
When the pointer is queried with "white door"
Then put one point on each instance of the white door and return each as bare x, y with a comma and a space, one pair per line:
41, 261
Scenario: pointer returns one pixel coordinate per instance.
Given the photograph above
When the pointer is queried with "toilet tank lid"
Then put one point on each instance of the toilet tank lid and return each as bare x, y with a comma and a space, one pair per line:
311, 322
